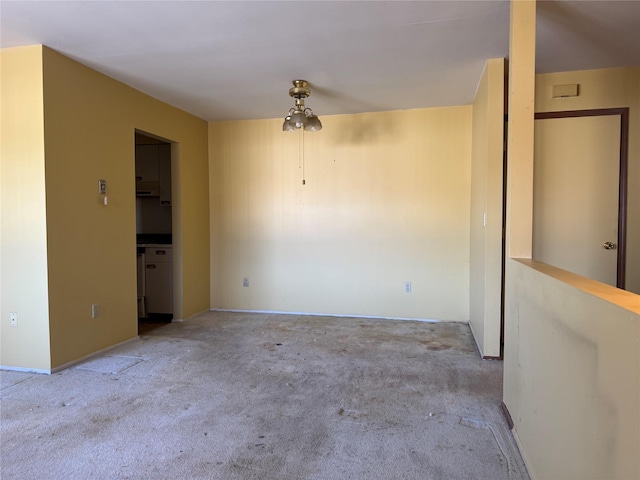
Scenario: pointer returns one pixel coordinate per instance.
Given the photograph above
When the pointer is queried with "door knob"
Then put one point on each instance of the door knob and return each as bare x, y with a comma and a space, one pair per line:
609, 246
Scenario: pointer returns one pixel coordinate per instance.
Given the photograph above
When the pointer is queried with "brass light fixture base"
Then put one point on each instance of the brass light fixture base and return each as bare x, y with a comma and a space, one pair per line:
299, 89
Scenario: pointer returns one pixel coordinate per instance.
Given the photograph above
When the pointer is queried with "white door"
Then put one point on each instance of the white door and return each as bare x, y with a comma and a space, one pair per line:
576, 179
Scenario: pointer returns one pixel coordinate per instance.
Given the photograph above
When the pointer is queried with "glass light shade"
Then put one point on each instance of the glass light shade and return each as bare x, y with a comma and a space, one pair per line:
298, 119
286, 126
313, 124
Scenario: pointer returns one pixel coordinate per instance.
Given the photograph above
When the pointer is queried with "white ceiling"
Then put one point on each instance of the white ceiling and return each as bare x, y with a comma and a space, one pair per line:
223, 60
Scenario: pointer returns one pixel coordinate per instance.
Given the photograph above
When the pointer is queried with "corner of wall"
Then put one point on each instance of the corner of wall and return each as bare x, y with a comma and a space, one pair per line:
486, 209
23, 222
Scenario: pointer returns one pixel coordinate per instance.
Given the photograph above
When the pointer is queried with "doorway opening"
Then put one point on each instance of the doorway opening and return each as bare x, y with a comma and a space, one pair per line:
580, 192
154, 231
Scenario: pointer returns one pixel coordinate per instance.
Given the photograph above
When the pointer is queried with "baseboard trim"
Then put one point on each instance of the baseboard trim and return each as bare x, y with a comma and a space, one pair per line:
24, 369
191, 316
64, 366
482, 355
475, 339
527, 464
309, 314
507, 415
92, 355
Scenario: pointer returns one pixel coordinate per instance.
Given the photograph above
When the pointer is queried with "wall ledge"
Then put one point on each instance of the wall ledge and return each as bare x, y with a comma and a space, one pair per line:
622, 298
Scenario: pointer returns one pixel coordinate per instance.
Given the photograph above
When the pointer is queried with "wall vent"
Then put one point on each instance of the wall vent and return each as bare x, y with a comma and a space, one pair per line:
563, 91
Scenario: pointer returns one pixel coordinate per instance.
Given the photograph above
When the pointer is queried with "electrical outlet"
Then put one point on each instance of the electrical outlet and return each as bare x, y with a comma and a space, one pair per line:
407, 287
95, 310
245, 282
102, 187
13, 319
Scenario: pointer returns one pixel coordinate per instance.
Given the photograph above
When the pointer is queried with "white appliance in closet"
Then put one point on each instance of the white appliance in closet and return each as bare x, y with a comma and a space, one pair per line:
142, 312
158, 279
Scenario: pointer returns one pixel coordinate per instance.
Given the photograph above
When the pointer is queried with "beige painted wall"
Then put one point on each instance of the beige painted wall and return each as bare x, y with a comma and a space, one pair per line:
572, 358
607, 88
486, 209
386, 201
578, 375
89, 124
23, 241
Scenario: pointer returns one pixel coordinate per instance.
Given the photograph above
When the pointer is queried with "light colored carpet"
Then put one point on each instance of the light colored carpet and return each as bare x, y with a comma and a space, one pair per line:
257, 396
109, 364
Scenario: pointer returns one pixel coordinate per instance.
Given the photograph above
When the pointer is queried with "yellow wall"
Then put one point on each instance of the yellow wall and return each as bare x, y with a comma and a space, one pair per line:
486, 203
607, 88
23, 224
577, 380
386, 202
89, 125
572, 355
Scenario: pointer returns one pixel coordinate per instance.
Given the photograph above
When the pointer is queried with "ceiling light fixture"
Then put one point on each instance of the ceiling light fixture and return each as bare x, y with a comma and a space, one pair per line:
301, 116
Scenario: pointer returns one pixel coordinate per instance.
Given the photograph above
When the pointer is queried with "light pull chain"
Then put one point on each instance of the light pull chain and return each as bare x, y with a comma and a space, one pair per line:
303, 175
300, 151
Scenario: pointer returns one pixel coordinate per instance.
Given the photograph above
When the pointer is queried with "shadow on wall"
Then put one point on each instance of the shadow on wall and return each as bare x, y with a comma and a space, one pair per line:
366, 129
363, 128
554, 397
